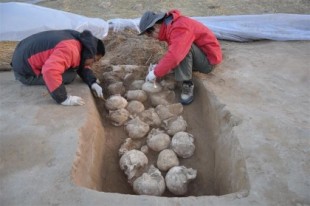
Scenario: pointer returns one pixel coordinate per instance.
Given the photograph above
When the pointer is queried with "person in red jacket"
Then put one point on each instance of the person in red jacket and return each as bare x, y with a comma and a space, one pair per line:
191, 47
53, 58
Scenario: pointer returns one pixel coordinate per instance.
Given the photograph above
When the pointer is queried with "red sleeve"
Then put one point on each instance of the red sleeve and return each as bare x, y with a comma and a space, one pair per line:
65, 55
181, 40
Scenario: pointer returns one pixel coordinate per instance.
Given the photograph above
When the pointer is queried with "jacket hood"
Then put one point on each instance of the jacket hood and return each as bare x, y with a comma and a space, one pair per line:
89, 44
175, 13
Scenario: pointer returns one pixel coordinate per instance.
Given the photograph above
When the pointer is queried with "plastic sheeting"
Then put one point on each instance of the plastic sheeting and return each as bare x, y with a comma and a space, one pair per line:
280, 27
20, 20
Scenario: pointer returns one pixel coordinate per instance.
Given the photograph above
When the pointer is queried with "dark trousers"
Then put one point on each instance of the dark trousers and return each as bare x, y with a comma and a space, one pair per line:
195, 60
67, 78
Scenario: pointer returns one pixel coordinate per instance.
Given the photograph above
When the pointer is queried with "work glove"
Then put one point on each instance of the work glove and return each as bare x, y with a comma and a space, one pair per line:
152, 67
97, 90
73, 101
150, 76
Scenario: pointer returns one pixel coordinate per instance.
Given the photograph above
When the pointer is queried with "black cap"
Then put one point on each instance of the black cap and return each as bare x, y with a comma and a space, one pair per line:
148, 20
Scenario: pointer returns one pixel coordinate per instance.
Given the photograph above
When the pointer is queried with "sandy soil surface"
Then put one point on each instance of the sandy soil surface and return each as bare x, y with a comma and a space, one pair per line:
124, 48
133, 9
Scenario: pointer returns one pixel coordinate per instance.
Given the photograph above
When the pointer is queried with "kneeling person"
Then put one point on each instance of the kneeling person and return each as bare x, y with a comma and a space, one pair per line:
53, 58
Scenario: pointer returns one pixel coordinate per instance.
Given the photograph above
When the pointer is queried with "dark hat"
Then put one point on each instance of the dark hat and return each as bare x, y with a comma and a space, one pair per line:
148, 20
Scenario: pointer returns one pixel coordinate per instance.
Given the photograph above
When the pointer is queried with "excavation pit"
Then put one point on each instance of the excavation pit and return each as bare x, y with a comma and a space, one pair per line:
218, 157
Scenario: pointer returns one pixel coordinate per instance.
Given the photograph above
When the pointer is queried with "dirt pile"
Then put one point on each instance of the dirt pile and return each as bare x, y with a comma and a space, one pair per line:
6, 52
127, 48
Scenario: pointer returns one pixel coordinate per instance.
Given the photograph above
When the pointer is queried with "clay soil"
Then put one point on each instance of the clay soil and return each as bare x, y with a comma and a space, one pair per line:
127, 48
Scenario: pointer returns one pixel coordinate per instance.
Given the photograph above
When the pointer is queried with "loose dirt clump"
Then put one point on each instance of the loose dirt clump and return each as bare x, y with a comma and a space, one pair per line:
126, 47
6, 53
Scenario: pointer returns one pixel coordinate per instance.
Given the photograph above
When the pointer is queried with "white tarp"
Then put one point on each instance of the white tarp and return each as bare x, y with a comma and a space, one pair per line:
20, 20
280, 27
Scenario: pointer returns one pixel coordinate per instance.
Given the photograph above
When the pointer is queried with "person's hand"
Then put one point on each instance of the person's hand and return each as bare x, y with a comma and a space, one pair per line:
73, 101
152, 67
150, 76
97, 90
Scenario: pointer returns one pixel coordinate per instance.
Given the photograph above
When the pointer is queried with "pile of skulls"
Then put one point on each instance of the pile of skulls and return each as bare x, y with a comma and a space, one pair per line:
153, 121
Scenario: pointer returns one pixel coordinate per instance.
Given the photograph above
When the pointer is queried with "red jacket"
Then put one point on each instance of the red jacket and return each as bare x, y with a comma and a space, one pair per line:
180, 34
51, 53
52, 63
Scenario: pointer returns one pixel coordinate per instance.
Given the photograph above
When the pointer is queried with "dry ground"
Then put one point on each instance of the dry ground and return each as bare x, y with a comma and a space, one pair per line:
134, 9
127, 48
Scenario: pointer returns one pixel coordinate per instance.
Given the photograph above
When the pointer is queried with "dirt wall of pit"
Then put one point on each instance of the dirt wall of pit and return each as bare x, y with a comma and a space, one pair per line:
220, 160
86, 169
230, 174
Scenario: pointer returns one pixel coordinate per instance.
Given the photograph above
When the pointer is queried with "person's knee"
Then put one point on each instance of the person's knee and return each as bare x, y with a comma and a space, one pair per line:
207, 69
21, 78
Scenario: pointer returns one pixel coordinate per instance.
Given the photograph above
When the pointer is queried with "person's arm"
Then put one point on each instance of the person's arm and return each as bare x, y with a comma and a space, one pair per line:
64, 55
87, 75
181, 40
89, 78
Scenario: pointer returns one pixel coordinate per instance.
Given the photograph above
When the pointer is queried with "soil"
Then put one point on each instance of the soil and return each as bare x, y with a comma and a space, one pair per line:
134, 9
127, 48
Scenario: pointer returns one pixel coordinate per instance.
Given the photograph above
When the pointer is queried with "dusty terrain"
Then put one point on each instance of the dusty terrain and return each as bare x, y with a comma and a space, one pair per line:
249, 107
133, 9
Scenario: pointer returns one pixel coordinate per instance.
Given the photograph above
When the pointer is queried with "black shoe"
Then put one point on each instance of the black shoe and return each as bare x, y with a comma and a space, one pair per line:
187, 95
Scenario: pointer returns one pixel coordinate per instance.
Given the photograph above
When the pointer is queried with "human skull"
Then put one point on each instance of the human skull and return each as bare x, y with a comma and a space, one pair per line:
150, 183
182, 144
133, 163
178, 178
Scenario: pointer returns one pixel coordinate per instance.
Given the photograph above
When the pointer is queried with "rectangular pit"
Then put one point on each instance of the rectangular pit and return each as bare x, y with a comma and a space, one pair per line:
218, 157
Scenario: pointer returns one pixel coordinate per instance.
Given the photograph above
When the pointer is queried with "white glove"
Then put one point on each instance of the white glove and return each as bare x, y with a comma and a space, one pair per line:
152, 67
97, 90
150, 76
73, 101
